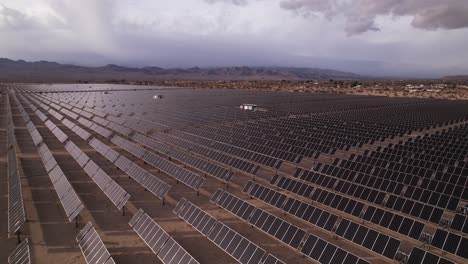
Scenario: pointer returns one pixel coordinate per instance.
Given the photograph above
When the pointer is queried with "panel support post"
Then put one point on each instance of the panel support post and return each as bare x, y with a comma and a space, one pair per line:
76, 221
164, 201
123, 211
198, 192
19, 237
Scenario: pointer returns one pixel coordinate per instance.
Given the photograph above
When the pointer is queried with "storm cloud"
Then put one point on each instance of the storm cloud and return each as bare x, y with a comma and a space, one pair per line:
401, 38
360, 15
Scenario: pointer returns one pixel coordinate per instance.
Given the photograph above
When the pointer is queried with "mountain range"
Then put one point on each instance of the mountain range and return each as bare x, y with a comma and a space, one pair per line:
45, 71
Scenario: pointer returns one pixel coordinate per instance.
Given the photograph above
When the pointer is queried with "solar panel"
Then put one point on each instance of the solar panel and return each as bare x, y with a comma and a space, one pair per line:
55, 114
119, 128
40, 115
47, 157
111, 189
238, 247
460, 223
151, 183
159, 241
450, 242
270, 259
193, 161
76, 129
234, 244
324, 252
58, 133
16, 212
187, 177
10, 135
278, 228
394, 222
270, 224
36, 137
368, 238
233, 204
265, 194
68, 197
104, 150
310, 213
92, 247
101, 130
195, 216
421, 256
21, 254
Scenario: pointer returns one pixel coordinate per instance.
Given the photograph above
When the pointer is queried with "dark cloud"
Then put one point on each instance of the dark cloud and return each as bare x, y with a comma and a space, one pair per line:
240, 32
360, 15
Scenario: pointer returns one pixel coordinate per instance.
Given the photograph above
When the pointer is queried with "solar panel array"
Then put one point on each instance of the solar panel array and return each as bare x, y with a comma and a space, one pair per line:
92, 247
16, 212
160, 242
67, 195
379, 174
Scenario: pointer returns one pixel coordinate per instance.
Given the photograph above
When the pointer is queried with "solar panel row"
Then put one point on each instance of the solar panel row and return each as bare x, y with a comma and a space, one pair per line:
67, 195
373, 240
421, 256
36, 137
394, 222
185, 176
160, 242
58, 133
92, 247
85, 135
460, 223
270, 224
218, 156
293, 206
234, 244
451, 242
228, 148
111, 189
324, 252
193, 161
143, 177
16, 212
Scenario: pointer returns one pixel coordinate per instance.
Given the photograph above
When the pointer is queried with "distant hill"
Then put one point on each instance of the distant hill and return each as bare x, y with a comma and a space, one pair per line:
457, 77
45, 71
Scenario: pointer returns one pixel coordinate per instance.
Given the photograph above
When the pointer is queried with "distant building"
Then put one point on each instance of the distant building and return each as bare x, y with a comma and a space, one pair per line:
251, 107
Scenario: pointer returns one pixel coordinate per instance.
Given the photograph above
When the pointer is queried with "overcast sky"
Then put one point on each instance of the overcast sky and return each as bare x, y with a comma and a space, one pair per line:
375, 37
